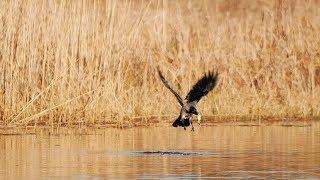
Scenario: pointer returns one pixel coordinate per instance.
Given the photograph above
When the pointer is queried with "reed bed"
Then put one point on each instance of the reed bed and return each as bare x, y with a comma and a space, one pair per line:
94, 62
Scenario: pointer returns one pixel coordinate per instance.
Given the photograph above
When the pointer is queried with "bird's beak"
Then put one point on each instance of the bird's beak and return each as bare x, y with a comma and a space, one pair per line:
199, 118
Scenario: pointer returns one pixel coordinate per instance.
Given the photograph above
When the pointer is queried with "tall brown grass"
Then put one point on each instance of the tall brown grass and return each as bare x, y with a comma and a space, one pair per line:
93, 62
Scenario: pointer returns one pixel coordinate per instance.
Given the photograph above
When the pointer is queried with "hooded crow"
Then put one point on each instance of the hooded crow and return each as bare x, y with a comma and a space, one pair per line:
189, 104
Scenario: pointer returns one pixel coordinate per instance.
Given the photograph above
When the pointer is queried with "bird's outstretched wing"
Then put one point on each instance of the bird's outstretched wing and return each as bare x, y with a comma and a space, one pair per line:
202, 87
166, 83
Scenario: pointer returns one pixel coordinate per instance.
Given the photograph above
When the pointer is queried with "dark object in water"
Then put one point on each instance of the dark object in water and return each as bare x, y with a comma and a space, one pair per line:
189, 104
170, 152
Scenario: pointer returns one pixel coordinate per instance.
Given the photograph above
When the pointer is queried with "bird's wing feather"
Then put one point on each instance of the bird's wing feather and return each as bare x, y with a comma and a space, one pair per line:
166, 83
202, 87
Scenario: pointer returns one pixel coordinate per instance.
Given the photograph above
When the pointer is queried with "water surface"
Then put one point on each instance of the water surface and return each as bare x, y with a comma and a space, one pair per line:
165, 152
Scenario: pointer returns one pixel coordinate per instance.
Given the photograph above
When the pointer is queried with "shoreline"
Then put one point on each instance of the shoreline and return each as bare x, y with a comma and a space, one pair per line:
91, 129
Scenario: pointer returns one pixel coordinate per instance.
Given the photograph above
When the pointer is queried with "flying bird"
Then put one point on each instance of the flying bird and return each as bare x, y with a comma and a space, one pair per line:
189, 104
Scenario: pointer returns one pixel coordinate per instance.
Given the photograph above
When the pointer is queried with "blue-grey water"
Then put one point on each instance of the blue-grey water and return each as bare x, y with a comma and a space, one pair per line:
223, 151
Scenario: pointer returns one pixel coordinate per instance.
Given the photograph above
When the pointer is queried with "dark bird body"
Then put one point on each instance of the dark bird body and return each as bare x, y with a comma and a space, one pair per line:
189, 104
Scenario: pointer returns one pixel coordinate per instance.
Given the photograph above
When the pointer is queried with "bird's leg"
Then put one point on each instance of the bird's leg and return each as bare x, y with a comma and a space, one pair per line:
199, 118
192, 128
184, 127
